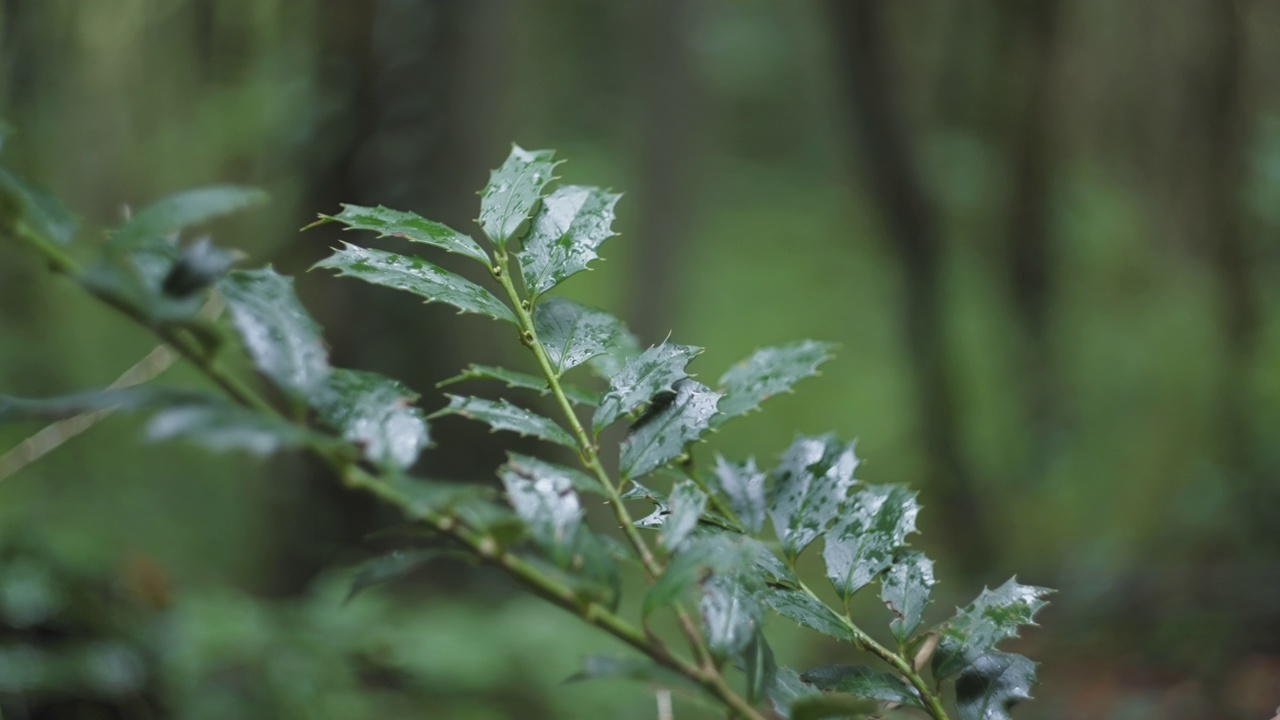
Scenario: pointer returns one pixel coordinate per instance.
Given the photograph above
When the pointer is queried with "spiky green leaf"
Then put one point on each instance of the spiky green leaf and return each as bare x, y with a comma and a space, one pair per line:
513, 192
625, 346
687, 503
502, 415
570, 226
656, 370
766, 373
807, 611
375, 413
407, 225
730, 615
177, 212
976, 629
870, 528
904, 588
544, 499
861, 681
43, 213
703, 556
415, 275
281, 338
992, 684
786, 689
812, 480
669, 424
742, 484
759, 667
572, 333
580, 481
521, 380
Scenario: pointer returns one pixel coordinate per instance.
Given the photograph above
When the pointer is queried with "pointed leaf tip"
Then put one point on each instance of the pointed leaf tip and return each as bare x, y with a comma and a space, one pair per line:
513, 191
812, 480
407, 225
568, 228
768, 372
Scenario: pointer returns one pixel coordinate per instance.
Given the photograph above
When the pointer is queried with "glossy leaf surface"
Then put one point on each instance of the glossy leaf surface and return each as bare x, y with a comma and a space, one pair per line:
905, 588
502, 415
861, 681
415, 275
569, 227
407, 225
730, 615
978, 627
811, 482
742, 484
656, 370
544, 499
573, 333
992, 684
580, 481
609, 363
513, 192
220, 427
686, 504
871, 526
807, 611
701, 557
766, 373
662, 433
375, 413
281, 338
525, 381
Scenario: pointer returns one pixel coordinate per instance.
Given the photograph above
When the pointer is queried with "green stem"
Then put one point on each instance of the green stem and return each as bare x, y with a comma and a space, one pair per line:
933, 703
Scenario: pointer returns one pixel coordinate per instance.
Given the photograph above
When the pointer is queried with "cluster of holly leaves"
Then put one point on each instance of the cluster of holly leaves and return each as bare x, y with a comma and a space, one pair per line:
722, 539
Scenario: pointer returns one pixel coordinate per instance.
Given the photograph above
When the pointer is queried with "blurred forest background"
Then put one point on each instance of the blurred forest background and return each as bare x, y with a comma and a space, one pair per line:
1043, 232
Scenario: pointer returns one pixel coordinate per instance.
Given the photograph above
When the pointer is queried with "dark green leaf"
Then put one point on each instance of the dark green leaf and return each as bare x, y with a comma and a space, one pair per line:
496, 521
871, 526
807, 611
176, 212
14, 409
220, 426
573, 334
571, 224
502, 415
905, 589
580, 481
656, 370
625, 346
545, 501
512, 193
521, 380
786, 689
420, 499
730, 615
375, 413
687, 503
37, 209
200, 265
703, 556
766, 373
992, 684
279, 335
863, 682
759, 667
977, 628
392, 566
811, 481
743, 486
666, 428
596, 667
407, 225
415, 275
826, 705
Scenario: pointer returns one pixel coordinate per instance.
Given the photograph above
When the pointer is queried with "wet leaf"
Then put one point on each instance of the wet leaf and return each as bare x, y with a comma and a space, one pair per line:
407, 225
544, 499
807, 611
662, 433
375, 413
978, 627
569, 227
521, 380
572, 333
502, 415
730, 615
788, 688
625, 346
221, 427
863, 682
656, 370
992, 684
37, 209
766, 373
281, 338
905, 589
177, 212
742, 484
759, 667
513, 192
415, 275
812, 480
871, 526
687, 503
580, 481
700, 558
